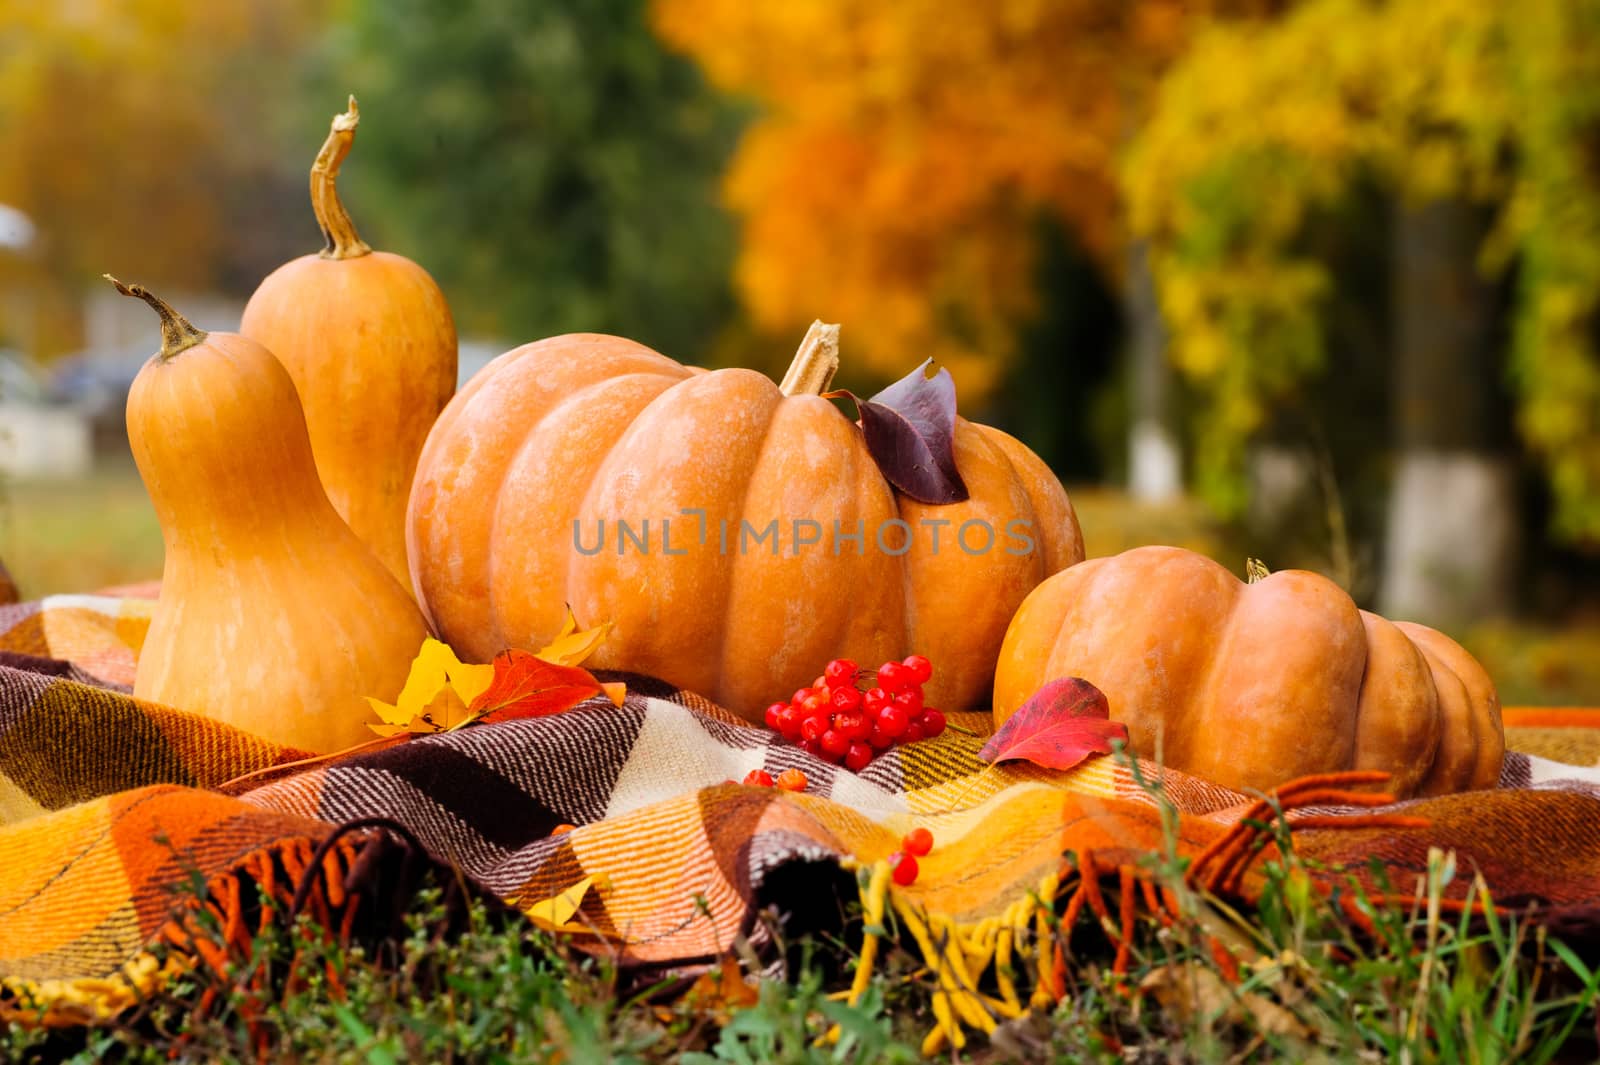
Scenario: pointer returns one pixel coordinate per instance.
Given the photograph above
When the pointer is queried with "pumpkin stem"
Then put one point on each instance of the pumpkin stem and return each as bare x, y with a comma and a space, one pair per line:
177, 334
340, 240
815, 363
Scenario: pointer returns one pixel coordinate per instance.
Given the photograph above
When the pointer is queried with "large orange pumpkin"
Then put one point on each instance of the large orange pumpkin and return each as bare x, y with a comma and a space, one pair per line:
527, 472
273, 616
369, 341
1251, 685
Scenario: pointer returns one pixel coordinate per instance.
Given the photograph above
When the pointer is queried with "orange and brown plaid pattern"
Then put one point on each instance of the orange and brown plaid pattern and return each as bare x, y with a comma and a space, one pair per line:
107, 802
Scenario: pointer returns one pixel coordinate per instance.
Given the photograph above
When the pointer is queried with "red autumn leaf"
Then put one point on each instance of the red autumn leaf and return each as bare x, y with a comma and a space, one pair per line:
525, 685
1062, 724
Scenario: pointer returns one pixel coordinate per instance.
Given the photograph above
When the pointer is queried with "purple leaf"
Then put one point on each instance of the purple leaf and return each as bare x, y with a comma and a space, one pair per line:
910, 430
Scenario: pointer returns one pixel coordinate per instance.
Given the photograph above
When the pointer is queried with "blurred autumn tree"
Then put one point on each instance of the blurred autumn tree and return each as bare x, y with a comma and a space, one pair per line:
549, 163
1484, 122
132, 135
907, 153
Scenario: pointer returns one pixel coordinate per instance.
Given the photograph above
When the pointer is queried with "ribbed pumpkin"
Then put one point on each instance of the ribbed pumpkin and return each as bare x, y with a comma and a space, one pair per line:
556, 437
273, 616
1250, 685
369, 341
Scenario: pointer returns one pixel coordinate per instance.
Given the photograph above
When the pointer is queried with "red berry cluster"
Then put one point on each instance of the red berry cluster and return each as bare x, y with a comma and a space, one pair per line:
849, 714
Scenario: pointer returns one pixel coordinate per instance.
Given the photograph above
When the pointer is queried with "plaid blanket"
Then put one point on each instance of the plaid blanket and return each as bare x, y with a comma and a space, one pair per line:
106, 802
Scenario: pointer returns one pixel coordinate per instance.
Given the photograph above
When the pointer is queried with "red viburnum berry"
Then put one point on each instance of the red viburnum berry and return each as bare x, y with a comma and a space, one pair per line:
835, 743
893, 677
857, 757
913, 733
917, 842
904, 868
812, 728
933, 722
879, 738
845, 699
921, 669
792, 780
893, 721
852, 726
841, 672
875, 700
772, 714
910, 701
758, 778
789, 719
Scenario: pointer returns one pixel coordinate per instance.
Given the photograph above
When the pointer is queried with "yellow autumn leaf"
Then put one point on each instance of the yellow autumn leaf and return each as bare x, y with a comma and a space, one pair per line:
436, 695
444, 711
571, 647
556, 912
441, 688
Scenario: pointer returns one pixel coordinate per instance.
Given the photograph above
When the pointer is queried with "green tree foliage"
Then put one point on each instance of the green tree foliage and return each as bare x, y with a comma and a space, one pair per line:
548, 162
1264, 126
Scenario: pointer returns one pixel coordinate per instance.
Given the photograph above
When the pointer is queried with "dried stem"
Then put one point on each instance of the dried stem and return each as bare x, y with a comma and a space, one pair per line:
177, 334
340, 240
815, 363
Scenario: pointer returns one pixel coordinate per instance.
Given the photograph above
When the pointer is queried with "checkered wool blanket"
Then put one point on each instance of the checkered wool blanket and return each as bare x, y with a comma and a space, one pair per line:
106, 802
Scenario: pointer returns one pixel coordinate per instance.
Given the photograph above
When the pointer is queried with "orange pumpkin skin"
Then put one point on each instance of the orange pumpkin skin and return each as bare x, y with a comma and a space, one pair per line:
556, 436
273, 616
1252, 685
371, 346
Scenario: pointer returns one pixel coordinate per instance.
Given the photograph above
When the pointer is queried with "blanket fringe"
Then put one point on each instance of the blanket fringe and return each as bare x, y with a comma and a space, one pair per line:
959, 955
208, 934
292, 876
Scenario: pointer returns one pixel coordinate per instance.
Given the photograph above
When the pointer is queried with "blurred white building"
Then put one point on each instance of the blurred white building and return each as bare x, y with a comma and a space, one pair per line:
39, 438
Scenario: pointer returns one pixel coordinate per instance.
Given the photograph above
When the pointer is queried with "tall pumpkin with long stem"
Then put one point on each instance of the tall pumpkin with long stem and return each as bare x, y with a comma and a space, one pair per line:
369, 341
273, 616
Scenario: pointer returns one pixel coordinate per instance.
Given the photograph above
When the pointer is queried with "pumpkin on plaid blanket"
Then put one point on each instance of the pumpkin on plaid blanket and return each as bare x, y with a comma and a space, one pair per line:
1253, 685
515, 508
274, 617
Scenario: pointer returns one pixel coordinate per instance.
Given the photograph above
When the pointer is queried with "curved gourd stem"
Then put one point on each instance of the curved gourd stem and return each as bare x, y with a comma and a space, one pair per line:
340, 240
177, 334
815, 363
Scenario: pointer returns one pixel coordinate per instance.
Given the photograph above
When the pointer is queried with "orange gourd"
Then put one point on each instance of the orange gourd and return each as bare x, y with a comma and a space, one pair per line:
273, 616
534, 462
1250, 685
369, 341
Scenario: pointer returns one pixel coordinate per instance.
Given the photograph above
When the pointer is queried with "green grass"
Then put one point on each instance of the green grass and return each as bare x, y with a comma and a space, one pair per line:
78, 535
1419, 986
